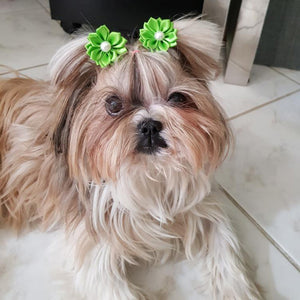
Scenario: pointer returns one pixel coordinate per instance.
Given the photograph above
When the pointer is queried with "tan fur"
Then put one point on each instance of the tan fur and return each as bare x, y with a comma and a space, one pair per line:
66, 162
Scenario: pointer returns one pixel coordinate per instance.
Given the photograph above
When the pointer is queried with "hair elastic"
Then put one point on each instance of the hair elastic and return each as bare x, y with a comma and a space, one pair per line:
135, 51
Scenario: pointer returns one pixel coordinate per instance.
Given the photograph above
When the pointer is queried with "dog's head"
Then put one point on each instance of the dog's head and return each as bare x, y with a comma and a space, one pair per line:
149, 110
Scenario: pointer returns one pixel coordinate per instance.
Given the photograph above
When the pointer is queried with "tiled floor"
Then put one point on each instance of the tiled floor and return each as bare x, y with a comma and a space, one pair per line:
259, 182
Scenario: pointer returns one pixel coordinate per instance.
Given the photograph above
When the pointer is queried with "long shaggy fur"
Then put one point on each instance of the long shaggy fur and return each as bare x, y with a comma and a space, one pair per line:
66, 163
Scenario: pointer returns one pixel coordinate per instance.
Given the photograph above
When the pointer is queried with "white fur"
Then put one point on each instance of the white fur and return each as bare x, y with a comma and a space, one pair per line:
209, 239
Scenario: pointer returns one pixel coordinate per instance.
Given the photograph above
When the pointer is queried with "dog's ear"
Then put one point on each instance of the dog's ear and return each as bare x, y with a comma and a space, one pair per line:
72, 75
198, 46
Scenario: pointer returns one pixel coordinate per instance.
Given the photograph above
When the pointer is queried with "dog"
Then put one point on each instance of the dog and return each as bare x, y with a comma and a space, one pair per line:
122, 158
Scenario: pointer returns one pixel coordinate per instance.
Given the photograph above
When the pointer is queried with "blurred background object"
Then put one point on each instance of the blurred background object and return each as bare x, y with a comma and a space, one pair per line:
279, 45
119, 15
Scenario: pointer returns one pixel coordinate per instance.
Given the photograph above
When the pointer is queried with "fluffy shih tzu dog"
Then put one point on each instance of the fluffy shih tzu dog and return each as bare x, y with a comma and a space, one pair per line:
120, 156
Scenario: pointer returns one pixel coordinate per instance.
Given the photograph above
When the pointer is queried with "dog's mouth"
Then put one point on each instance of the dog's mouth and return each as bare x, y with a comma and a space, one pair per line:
151, 146
149, 139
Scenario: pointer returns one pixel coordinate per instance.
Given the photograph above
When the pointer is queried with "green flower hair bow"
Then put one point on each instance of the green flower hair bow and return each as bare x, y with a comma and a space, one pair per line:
104, 47
158, 35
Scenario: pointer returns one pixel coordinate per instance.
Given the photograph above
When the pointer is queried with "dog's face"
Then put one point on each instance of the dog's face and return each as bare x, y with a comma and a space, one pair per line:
146, 109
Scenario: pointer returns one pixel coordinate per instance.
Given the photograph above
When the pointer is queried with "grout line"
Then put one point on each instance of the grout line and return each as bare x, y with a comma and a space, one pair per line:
37, 66
44, 7
286, 76
23, 69
262, 105
260, 228
48, 11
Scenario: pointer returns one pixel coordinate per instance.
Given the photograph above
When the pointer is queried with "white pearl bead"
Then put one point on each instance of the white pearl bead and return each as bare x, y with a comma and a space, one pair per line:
159, 35
105, 46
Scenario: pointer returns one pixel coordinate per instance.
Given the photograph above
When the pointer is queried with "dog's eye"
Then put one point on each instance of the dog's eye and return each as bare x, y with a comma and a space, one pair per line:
180, 100
113, 105
177, 99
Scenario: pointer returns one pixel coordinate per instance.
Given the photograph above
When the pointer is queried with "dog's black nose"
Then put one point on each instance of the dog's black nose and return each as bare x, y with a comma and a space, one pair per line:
150, 127
149, 138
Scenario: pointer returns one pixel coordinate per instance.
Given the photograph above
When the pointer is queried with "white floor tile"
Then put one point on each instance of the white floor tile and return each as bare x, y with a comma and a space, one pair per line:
17, 5
278, 278
29, 38
292, 74
263, 173
265, 85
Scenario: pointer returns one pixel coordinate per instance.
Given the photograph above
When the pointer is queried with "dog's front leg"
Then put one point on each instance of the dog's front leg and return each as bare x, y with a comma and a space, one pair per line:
102, 276
226, 275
